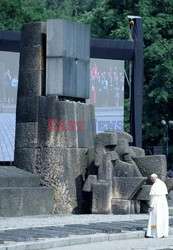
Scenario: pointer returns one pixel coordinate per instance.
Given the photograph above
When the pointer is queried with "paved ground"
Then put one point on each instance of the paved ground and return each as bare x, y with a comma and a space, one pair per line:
7, 136
55, 220
140, 244
57, 231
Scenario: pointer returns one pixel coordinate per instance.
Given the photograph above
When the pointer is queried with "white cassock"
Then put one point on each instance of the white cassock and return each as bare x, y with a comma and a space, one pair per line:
159, 218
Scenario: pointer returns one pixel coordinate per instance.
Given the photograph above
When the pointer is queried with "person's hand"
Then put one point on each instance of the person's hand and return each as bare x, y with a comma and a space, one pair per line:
150, 209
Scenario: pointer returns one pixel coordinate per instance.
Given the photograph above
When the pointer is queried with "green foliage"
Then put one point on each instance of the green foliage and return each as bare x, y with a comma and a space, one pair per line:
108, 19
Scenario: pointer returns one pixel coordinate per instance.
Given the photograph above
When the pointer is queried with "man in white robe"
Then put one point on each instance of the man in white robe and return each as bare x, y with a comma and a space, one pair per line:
159, 219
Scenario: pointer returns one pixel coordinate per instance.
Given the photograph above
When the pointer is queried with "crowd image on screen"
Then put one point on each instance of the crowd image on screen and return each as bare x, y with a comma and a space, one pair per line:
107, 85
8, 84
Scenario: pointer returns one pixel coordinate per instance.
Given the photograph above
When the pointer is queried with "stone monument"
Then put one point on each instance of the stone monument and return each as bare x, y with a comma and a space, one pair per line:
70, 166
122, 183
53, 123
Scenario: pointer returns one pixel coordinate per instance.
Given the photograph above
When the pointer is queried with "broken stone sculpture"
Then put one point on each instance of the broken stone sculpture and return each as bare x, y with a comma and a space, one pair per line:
123, 180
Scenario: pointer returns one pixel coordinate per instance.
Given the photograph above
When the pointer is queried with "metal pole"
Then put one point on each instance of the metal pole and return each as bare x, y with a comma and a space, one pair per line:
167, 138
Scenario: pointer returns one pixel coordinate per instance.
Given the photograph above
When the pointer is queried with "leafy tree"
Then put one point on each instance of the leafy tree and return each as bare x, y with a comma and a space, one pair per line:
108, 19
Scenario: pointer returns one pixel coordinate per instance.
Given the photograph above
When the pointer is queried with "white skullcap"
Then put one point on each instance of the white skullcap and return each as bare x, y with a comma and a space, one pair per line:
154, 175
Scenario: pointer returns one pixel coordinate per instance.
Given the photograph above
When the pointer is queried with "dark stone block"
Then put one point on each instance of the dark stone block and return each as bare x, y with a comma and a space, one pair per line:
85, 115
10, 176
102, 195
25, 158
99, 153
64, 169
139, 152
169, 184
143, 193
27, 109
125, 169
32, 58
33, 34
30, 83
120, 206
26, 135
52, 112
107, 139
89, 182
152, 164
105, 170
126, 187
26, 201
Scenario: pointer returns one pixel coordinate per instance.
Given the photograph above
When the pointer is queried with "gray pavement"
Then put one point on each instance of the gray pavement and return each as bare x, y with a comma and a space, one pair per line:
140, 244
7, 136
76, 231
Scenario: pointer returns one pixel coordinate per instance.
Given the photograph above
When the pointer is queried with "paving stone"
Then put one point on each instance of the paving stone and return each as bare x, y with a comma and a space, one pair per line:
11, 237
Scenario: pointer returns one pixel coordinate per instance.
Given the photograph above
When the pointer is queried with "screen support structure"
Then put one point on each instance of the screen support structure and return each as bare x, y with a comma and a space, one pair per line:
109, 49
136, 100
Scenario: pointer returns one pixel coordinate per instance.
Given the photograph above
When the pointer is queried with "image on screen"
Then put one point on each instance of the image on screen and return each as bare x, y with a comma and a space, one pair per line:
9, 67
107, 93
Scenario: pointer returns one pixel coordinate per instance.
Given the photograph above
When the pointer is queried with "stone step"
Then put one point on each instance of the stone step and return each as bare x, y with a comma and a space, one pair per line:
21, 201
10, 176
170, 211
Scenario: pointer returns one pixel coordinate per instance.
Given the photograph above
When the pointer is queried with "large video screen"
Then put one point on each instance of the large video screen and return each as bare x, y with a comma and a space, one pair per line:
107, 93
9, 67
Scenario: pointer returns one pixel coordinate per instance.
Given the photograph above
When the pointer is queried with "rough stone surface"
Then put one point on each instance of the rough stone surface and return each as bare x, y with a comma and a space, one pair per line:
25, 158
30, 83
143, 193
152, 164
105, 170
106, 139
124, 135
85, 114
31, 58
25, 201
27, 110
120, 206
61, 112
26, 135
10, 176
139, 152
102, 195
33, 34
169, 184
125, 169
126, 187
170, 198
63, 169
122, 147
89, 182
99, 152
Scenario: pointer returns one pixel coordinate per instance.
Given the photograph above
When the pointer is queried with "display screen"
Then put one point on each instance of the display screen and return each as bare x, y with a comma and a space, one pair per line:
107, 93
9, 67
